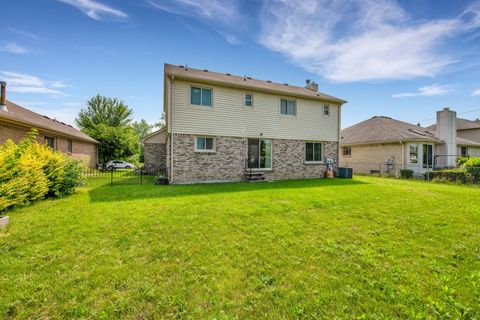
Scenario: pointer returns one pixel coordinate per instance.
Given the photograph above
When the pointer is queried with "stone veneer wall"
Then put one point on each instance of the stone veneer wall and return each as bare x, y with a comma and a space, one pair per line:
155, 157
227, 163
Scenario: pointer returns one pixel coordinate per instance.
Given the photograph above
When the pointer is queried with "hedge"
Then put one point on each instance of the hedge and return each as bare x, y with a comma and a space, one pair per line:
30, 171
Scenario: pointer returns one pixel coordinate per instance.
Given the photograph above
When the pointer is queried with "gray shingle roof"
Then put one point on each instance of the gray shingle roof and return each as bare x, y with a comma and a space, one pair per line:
462, 124
19, 114
246, 82
384, 129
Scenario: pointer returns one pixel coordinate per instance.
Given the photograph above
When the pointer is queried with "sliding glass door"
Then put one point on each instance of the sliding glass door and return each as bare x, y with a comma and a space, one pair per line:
428, 156
259, 154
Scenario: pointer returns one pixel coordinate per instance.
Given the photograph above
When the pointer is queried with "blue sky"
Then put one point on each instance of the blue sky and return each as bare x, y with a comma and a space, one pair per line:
401, 59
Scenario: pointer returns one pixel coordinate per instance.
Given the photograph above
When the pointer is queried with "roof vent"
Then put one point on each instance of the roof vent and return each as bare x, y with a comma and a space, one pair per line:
205, 70
228, 74
181, 66
249, 78
285, 84
244, 78
269, 81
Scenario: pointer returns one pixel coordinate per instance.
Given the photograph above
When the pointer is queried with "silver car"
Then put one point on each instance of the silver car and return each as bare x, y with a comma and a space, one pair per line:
119, 164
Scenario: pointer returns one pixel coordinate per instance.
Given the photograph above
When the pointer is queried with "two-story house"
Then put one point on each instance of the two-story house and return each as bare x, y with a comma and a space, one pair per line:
221, 127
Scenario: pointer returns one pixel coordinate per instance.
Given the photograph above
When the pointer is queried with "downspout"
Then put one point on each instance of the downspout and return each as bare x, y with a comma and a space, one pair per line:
171, 127
403, 154
339, 133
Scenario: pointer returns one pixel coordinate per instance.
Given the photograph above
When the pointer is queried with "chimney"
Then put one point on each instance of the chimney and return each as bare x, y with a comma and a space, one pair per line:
447, 132
3, 96
311, 85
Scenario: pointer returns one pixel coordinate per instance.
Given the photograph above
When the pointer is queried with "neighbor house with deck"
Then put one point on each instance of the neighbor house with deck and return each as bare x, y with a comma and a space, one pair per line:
382, 144
221, 127
16, 122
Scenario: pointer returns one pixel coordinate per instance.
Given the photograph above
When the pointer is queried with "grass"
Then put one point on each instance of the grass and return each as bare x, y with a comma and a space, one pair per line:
367, 248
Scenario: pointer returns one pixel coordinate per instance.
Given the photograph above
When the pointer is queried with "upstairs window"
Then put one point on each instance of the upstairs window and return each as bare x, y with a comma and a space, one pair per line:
49, 141
248, 100
201, 96
204, 144
69, 146
347, 151
288, 107
326, 109
313, 152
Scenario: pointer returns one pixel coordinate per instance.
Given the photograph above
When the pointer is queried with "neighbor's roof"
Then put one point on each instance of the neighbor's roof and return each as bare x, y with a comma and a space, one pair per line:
24, 116
384, 129
462, 124
246, 82
154, 133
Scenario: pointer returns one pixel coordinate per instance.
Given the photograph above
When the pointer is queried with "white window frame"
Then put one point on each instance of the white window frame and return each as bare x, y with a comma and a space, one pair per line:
245, 100
322, 152
280, 107
326, 107
201, 92
271, 154
410, 153
214, 144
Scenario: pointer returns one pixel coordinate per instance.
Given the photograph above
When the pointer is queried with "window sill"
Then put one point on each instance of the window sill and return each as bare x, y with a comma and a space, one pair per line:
260, 169
206, 151
314, 162
200, 106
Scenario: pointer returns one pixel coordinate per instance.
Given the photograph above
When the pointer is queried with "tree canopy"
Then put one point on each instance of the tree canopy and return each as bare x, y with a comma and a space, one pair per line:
104, 110
109, 121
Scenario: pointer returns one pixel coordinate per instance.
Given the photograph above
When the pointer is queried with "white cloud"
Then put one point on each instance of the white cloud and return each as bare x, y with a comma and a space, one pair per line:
24, 83
427, 91
95, 9
224, 11
476, 92
25, 34
12, 47
359, 40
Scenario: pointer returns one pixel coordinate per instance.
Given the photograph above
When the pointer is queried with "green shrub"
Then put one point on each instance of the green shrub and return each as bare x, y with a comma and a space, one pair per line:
406, 174
461, 161
30, 171
447, 175
472, 162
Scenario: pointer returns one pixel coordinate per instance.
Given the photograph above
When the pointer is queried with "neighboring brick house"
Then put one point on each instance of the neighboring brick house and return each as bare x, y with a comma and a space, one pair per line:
221, 127
155, 151
370, 145
16, 122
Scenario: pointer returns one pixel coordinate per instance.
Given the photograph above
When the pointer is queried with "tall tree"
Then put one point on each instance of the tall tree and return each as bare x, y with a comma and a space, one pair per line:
108, 120
104, 110
141, 128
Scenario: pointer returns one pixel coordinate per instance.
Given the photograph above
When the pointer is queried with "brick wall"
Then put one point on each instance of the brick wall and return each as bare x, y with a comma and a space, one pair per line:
227, 163
365, 158
81, 150
155, 157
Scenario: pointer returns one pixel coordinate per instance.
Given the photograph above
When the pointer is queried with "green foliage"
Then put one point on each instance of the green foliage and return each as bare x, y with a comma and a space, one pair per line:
72, 177
406, 174
461, 161
30, 171
366, 248
116, 142
103, 110
108, 120
472, 162
447, 175
141, 128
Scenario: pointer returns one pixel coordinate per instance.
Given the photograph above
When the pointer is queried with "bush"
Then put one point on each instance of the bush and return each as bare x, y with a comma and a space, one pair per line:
447, 175
461, 161
472, 162
30, 171
406, 174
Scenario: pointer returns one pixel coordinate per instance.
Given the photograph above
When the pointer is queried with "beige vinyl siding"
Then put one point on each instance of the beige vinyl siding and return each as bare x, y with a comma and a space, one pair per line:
472, 134
229, 117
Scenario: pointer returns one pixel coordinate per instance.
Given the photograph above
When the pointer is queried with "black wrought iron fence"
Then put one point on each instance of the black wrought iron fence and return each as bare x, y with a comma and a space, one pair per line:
122, 176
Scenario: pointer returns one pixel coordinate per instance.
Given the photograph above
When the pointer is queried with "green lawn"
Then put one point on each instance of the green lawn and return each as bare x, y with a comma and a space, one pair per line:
369, 248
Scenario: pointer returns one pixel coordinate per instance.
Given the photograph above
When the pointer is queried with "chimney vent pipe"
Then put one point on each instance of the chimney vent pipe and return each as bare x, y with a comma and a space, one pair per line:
3, 96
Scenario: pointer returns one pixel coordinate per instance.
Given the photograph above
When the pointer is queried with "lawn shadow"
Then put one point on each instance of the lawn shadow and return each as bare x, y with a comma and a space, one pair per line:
107, 193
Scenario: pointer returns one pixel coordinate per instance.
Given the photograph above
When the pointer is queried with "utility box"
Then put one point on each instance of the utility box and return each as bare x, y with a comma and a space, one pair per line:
345, 173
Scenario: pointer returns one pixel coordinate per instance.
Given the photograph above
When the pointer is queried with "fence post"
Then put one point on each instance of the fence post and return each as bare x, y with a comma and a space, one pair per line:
111, 177
141, 176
